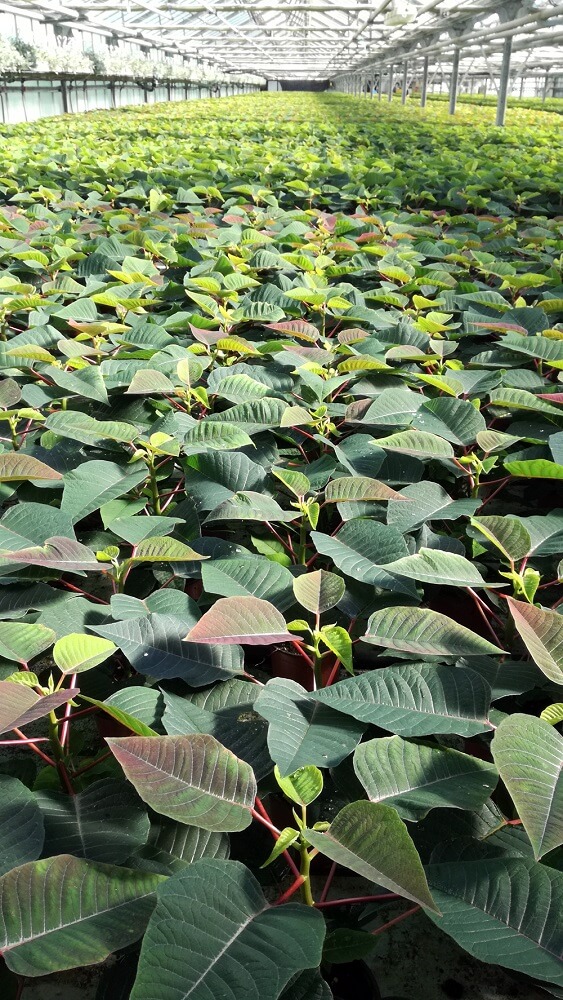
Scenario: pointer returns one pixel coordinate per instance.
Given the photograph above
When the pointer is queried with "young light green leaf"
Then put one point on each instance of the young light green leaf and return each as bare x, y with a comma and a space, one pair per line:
78, 652
302, 786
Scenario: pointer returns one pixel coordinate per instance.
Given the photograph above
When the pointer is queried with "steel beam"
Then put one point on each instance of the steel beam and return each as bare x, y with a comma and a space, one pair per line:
424, 85
504, 81
454, 79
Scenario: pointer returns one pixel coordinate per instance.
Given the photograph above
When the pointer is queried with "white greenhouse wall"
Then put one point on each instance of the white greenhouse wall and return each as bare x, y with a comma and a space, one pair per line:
25, 99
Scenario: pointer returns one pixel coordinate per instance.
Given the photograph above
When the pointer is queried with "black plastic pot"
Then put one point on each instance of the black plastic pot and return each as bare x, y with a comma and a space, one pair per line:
352, 981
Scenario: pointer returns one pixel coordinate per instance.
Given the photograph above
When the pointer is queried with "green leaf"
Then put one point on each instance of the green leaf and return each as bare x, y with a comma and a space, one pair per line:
552, 714
247, 620
154, 646
419, 630
414, 778
250, 506
542, 633
433, 566
414, 699
417, 443
164, 549
361, 548
319, 591
529, 755
287, 837
536, 468
373, 841
239, 923
95, 483
65, 913
302, 786
106, 822
359, 488
21, 825
249, 577
222, 436
431, 503
22, 642
507, 534
77, 652
80, 427
506, 911
296, 482
120, 715
339, 642
192, 779
303, 732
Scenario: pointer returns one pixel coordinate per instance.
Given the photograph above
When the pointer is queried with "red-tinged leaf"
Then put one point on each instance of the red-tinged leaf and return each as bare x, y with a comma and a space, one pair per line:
192, 779
14, 466
64, 554
296, 328
499, 327
241, 620
20, 705
552, 397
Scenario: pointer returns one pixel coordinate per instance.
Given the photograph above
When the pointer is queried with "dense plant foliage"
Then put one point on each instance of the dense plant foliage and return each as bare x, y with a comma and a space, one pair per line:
552, 104
280, 543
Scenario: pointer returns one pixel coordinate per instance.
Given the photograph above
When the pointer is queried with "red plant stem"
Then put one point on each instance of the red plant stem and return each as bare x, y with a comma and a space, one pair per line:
64, 776
358, 899
33, 739
260, 814
328, 882
279, 537
300, 650
64, 731
24, 739
478, 605
306, 433
396, 920
93, 763
333, 673
78, 590
77, 715
514, 822
494, 493
292, 890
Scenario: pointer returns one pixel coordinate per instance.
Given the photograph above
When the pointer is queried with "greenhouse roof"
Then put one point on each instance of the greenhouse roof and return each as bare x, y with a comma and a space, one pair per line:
320, 39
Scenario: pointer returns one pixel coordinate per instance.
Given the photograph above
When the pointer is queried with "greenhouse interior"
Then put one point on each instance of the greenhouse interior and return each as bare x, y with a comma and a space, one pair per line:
281, 500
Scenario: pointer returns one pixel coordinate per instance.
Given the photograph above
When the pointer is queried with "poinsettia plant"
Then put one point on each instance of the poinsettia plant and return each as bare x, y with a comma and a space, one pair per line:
280, 546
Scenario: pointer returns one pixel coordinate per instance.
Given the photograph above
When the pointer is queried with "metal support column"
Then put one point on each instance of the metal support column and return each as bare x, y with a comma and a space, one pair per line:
545, 87
405, 82
424, 86
390, 91
380, 84
454, 81
504, 80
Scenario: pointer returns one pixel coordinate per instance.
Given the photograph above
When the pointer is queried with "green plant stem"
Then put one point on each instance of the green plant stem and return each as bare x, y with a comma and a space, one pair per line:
153, 484
302, 550
58, 753
306, 894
